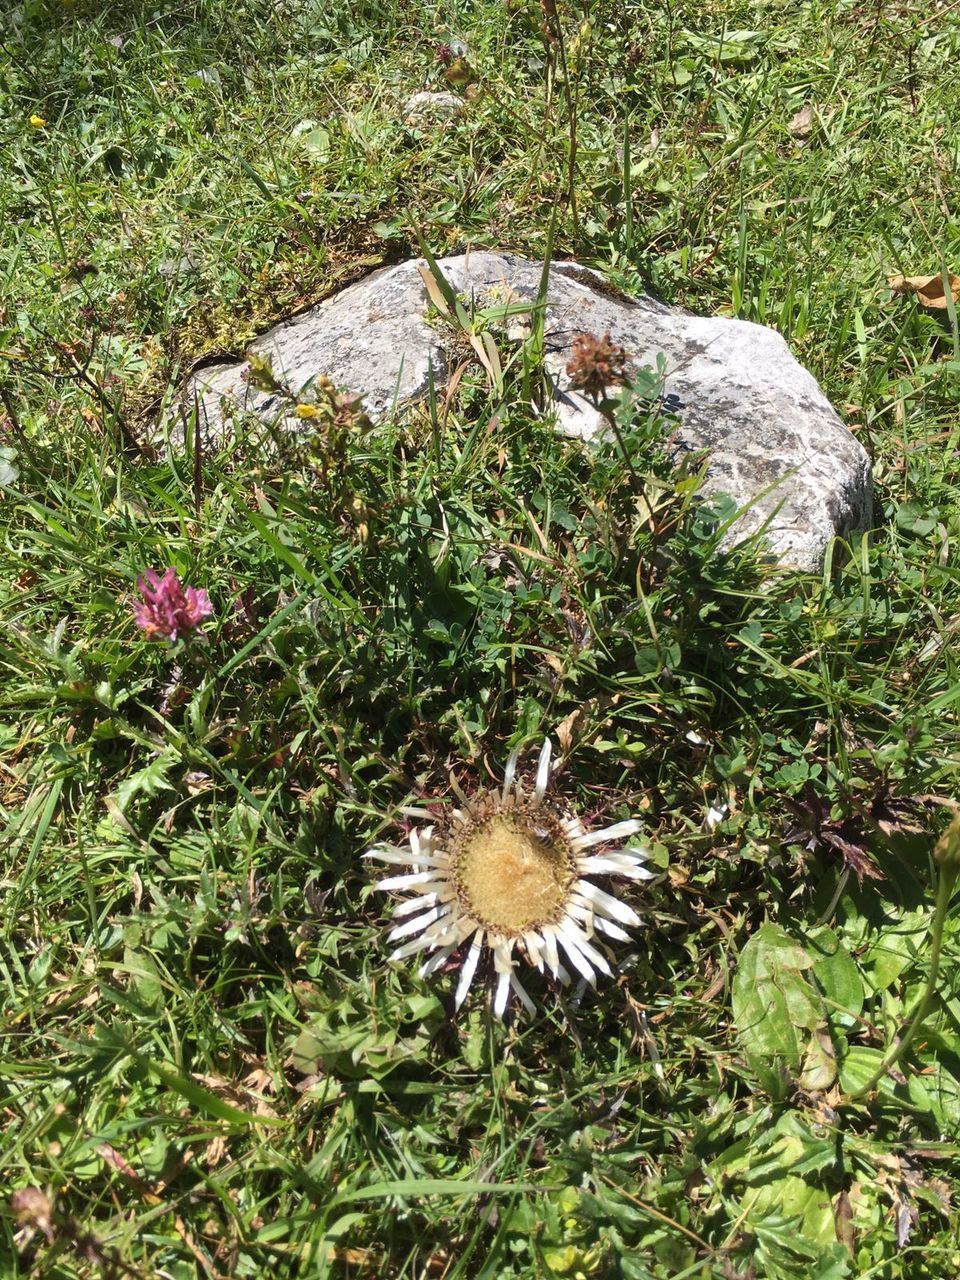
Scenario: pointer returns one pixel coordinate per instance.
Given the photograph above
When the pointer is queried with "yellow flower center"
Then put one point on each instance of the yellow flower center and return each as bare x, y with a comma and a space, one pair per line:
514, 871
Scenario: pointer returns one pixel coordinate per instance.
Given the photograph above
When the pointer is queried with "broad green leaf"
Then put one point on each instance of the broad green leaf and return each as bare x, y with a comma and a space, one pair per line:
774, 1005
837, 975
144, 976
858, 1067
316, 142
895, 949
769, 1153
792, 1200
833, 1264
936, 1090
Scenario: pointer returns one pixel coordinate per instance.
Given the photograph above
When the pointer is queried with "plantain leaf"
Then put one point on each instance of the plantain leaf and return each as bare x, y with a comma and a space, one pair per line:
775, 1007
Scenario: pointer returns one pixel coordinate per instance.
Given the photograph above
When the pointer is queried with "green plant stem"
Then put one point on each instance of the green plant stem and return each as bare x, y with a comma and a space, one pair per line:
945, 885
607, 412
570, 102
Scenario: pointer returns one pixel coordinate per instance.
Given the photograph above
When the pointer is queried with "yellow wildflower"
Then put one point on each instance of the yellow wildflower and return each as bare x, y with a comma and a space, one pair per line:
307, 411
37, 122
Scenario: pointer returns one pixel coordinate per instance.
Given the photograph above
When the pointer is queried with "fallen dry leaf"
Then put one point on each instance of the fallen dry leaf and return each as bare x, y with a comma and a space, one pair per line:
235, 1092
843, 1223
929, 289
941, 1192
801, 125
906, 1215
568, 729
260, 1081
214, 1151
820, 1063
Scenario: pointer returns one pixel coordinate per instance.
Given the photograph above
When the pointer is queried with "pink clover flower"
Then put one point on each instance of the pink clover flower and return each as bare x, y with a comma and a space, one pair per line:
168, 608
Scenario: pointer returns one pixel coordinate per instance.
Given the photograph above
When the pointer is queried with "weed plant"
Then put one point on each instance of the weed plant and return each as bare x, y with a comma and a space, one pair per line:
207, 1066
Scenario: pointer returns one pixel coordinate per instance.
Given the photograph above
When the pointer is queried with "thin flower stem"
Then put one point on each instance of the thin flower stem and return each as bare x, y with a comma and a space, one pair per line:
945, 885
606, 410
827, 916
623, 448
553, 18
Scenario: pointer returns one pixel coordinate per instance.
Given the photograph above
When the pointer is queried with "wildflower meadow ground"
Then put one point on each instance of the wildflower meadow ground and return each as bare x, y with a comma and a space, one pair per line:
661, 978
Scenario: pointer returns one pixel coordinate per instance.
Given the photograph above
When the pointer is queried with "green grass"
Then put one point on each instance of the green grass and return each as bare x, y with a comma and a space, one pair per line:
205, 1059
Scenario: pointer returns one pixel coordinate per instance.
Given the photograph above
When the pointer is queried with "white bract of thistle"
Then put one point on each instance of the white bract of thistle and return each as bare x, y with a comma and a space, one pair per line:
715, 815
507, 872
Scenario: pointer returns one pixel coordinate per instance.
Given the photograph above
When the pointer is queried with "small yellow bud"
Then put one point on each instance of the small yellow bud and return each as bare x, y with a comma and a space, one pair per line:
307, 411
37, 122
460, 73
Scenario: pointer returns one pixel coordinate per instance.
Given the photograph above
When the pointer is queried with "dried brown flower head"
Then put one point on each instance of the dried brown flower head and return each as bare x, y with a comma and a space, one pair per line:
596, 365
33, 1210
349, 413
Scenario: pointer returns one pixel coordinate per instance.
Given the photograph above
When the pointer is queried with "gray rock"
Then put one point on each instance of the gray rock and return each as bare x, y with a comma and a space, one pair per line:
775, 444
430, 107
